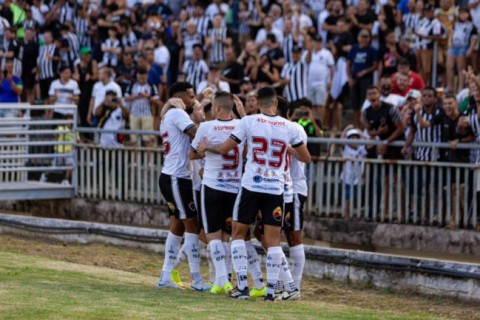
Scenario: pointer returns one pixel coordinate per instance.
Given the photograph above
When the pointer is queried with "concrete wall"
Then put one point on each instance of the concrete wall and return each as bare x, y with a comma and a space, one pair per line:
336, 264
366, 235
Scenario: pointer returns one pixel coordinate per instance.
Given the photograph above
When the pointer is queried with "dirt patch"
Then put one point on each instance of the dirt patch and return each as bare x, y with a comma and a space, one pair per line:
148, 263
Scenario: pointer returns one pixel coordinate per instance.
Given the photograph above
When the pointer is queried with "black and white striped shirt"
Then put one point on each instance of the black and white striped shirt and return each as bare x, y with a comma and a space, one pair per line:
297, 75
463, 33
474, 121
69, 58
410, 21
17, 50
68, 13
203, 25
81, 29
188, 42
427, 27
431, 134
111, 59
129, 40
288, 44
217, 49
141, 107
47, 67
73, 42
196, 72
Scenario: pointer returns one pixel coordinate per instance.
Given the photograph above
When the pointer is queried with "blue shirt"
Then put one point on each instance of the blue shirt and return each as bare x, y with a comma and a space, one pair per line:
154, 75
362, 58
6, 92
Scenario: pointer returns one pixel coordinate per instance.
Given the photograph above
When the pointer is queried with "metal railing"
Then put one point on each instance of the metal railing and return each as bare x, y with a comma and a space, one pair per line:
27, 144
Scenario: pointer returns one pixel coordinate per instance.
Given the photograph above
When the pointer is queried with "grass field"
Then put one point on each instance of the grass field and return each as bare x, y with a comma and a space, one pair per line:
40, 280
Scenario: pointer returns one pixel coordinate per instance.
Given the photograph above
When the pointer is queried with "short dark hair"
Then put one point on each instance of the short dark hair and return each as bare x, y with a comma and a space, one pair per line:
305, 102
272, 37
62, 68
431, 89
450, 96
266, 96
372, 87
179, 87
404, 62
141, 70
197, 45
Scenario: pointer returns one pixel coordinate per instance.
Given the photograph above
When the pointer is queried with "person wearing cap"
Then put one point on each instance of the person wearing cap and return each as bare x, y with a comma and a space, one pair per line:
64, 91
362, 63
294, 74
213, 81
99, 91
112, 115
233, 71
353, 168
86, 74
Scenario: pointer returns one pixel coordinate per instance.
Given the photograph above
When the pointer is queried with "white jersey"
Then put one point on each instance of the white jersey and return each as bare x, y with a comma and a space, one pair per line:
221, 172
196, 166
176, 143
267, 138
288, 187
297, 168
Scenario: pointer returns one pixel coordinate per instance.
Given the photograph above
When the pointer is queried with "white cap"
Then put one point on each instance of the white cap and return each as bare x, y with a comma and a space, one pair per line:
415, 94
353, 132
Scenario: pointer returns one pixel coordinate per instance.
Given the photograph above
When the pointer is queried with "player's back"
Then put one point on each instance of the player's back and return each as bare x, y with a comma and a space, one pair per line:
221, 172
176, 143
267, 138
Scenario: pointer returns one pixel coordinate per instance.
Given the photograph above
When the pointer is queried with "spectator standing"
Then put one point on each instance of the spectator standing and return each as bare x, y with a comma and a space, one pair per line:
233, 71
126, 72
196, 70
304, 115
295, 75
11, 87
30, 50
213, 81
64, 91
461, 43
260, 39
190, 40
362, 19
12, 51
111, 114
99, 91
47, 62
321, 71
86, 73
112, 49
142, 98
218, 39
274, 52
362, 62
474, 6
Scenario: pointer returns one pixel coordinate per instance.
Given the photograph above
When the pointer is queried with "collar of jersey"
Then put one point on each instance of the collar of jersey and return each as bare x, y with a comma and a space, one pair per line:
269, 115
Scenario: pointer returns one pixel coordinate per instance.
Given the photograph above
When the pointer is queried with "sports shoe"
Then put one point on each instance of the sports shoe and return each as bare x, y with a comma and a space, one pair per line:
239, 294
258, 293
279, 287
269, 298
176, 278
289, 295
218, 289
200, 286
167, 285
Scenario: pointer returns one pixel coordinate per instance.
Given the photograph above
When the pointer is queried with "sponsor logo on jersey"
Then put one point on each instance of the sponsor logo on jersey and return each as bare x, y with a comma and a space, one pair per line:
257, 179
277, 214
191, 205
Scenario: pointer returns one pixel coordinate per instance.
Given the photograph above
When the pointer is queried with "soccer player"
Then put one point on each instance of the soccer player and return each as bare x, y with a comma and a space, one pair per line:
176, 129
268, 137
221, 182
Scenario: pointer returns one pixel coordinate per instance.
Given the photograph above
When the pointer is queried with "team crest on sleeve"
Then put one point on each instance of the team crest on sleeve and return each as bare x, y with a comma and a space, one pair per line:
277, 214
171, 206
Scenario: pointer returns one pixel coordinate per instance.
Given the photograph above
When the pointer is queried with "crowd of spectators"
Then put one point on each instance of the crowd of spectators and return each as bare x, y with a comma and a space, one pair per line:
391, 62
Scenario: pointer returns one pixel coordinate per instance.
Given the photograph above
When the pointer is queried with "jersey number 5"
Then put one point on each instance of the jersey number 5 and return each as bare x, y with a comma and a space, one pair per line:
261, 147
166, 145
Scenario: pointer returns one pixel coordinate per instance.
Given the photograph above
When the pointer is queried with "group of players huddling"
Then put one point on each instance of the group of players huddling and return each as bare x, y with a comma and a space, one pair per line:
269, 187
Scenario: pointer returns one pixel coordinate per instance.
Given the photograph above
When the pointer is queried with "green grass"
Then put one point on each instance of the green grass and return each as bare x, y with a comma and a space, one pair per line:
49, 281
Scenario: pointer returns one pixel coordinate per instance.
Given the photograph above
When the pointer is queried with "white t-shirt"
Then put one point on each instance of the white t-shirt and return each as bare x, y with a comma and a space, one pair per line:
176, 143
353, 170
64, 93
99, 91
262, 36
297, 168
319, 67
222, 86
212, 10
114, 122
162, 58
394, 99
221, 172
267, 138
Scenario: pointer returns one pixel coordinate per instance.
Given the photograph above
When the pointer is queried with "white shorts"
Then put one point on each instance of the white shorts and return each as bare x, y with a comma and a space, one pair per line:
317, 95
